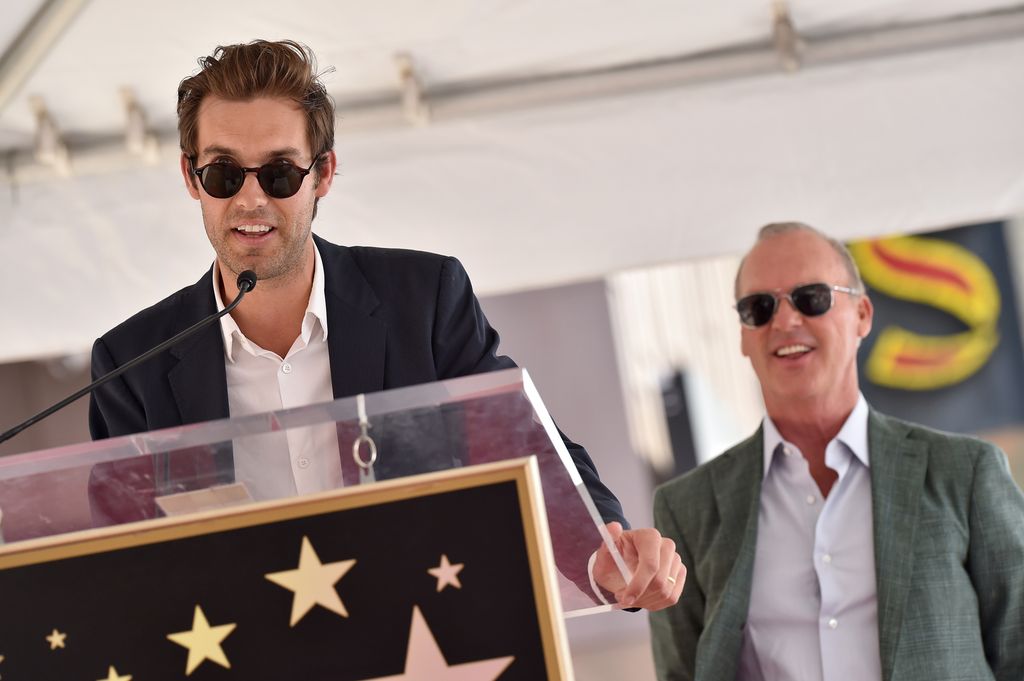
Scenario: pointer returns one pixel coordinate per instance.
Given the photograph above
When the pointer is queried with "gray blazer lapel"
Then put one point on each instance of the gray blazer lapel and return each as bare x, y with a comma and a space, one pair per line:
898, 467
737, 490
355, 339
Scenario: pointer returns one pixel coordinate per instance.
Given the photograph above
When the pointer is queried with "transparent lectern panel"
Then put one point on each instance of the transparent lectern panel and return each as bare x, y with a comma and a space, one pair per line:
403, 432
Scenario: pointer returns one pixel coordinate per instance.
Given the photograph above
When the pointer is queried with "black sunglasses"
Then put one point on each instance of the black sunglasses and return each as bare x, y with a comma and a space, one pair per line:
280, 179
810, 300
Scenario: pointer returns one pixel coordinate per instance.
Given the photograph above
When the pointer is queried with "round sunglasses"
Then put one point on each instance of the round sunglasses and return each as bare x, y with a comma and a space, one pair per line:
279, 179
810, 300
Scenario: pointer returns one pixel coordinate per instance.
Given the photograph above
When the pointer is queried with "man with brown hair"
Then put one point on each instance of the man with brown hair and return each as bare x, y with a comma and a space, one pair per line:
837, 542
325, 321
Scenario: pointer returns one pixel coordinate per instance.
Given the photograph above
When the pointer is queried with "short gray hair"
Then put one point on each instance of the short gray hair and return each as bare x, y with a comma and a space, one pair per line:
777, 228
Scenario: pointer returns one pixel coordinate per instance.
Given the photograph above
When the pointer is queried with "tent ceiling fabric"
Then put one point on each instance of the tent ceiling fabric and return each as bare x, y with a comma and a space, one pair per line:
527, 197
150, 46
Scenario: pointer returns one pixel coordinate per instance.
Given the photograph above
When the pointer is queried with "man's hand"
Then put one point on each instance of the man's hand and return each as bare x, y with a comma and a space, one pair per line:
658, 572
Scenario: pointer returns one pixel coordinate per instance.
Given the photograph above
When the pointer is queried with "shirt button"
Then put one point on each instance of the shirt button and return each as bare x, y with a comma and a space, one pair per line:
833, 623
787, 451
303, 462
810, 498
286, 368
827, 559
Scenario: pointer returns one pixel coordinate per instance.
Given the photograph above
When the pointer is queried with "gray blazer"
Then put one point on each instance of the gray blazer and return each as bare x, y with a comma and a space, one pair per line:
949, 558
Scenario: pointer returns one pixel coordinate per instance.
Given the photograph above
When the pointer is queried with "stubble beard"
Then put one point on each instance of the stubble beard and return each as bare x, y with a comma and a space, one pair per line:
280, 262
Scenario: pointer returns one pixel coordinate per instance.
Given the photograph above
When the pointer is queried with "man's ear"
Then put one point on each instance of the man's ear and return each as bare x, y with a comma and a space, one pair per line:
865, 315
326, 168
191, 181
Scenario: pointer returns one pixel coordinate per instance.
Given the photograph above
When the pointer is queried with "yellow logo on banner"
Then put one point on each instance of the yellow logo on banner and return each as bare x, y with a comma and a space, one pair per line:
943, 275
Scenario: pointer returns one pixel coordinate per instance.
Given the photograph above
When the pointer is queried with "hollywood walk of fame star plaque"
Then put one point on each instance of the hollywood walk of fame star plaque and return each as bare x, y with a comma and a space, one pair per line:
446, 575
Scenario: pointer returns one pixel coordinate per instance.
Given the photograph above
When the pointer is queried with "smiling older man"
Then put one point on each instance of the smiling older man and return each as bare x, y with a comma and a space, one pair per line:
837, 542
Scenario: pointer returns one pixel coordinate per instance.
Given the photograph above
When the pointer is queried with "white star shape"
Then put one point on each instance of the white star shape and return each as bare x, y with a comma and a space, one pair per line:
447, 573
56, 640
313, 583
425, 662
112, 675
203, 642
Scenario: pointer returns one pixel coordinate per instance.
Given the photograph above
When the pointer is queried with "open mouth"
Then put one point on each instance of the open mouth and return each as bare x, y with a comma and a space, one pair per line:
793, 351
253, 231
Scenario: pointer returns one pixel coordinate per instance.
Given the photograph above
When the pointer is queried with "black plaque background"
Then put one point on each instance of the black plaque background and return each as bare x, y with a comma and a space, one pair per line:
117, 607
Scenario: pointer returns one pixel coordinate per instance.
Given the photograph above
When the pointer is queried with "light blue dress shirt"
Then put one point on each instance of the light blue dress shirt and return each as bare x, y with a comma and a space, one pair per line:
813, 611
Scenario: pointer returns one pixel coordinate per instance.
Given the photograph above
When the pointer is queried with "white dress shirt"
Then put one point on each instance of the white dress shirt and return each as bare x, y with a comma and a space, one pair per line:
299, 460
813, 609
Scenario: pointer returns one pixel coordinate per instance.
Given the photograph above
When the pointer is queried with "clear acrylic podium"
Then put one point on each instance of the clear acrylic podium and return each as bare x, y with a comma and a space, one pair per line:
405, 432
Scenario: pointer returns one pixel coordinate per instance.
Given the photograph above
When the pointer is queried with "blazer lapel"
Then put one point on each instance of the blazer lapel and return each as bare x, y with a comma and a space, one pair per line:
898, 467
198, 381
355, 338
737, 489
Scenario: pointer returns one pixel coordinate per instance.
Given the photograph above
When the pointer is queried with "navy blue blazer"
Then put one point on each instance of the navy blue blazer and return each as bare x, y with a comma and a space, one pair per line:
396, 318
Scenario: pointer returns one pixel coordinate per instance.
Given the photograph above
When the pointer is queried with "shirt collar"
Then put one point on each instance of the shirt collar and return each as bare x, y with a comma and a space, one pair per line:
316, 310
853, 434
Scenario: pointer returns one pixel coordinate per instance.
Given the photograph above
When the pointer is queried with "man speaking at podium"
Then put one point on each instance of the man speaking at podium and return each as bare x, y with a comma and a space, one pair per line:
257, 137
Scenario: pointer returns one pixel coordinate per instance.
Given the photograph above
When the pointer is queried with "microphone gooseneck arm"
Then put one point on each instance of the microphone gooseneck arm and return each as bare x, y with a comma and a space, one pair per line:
246, 282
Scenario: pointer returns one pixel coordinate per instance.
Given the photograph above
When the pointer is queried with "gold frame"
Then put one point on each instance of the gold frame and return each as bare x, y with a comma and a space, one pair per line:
523, 472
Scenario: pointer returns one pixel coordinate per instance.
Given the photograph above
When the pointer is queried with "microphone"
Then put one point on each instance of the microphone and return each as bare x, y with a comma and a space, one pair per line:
246, 282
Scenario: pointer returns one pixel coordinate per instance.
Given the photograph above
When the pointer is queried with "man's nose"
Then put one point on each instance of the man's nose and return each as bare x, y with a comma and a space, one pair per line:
251, 195
786, 316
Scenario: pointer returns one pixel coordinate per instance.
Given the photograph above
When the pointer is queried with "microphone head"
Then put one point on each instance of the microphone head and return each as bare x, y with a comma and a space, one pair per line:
246, 281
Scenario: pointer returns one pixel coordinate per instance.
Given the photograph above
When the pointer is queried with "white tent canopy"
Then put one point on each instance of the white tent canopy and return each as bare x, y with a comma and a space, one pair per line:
566, 140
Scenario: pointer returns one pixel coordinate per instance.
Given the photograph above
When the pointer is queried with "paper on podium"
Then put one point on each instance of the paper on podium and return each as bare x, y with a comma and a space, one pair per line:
209, 499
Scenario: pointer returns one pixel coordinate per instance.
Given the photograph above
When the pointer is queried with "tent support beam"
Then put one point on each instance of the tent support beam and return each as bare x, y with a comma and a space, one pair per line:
33, 43
483, 98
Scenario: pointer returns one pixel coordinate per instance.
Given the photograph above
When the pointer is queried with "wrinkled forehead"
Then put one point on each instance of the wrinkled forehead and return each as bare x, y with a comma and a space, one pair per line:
787, 260
254, 128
